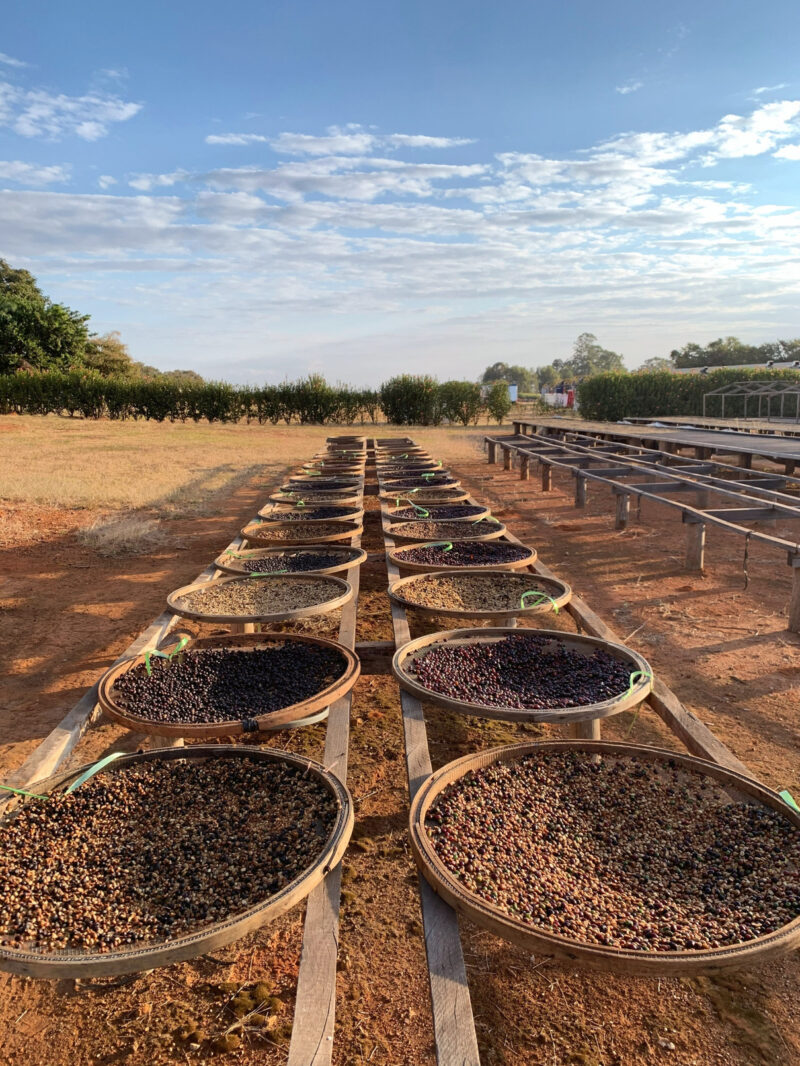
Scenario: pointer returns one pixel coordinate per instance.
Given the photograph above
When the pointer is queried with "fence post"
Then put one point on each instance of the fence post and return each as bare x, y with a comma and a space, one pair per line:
695, 544
623, 510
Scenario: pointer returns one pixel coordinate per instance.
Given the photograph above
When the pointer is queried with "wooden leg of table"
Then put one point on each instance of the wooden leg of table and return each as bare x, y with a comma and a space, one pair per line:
623, 511
794, 602
585, 730
547, 477
695, 545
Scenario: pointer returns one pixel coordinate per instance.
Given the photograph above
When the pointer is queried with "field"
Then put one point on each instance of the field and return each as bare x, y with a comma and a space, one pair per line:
68, 611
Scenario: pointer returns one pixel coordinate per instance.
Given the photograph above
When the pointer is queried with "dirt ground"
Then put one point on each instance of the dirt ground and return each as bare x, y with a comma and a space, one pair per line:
67, 613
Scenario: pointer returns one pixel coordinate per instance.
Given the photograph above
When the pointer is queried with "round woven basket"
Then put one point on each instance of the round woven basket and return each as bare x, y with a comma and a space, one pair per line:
246, 723
426, 496
273, 513
403, 563
391, 485
471, 512
77, 964
558, 593
314, 497
482, 530
231, 562
324, 486
299, 533
342, 593
638, 691
587, 955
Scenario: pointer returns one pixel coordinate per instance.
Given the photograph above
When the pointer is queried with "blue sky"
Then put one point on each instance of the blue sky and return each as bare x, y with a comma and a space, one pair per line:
257, 190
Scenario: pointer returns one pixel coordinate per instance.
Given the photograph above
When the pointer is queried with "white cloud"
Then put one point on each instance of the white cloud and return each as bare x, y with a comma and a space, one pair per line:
338, 141
629, 87
39, 113
236, 138
9, 61
770, 88
105, 181
147, 182
30, 174
416, 140
355, 140
789, 151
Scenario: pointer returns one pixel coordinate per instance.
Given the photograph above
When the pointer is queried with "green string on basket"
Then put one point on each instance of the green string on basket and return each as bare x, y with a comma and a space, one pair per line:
22, 792
93, 770
170, 655
542, 596
789, 800
267, 573
634, 679
299, 503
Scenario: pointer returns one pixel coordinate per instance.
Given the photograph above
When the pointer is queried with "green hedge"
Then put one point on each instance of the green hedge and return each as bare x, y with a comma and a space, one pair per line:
611, 397
92, 395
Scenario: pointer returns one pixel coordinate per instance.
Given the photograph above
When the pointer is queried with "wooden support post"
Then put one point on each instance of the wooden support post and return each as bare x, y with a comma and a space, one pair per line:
702, 499
623, 510
524, 467
547, 477
506, 458
585, 730
794, 602
517, 428
492, 452
789, 466
580, 490
695, 545
746, 460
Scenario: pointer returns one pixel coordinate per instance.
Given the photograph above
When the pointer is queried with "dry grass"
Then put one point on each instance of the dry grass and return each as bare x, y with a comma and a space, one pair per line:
168, 469
123, 534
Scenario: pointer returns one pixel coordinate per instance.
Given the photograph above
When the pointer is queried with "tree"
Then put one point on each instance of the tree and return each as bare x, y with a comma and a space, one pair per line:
729, 351
498, 401
517, 375
547, 375
108, 355
182, 377
460, 401
588, 358
35, 333
655, 363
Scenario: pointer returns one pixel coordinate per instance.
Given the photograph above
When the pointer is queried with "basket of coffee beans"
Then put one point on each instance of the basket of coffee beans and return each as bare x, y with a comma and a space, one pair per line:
614, 856
319, 559
438, 555
525, 675
261, 597
228, 685
480, 594
162, 856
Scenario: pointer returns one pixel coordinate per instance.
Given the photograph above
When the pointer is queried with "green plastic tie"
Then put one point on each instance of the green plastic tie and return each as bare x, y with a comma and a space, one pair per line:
542, 597
93, 770
427, 477
634, 679
300, 503
266, 573
789, 800
148, 655
446, 544
31, 795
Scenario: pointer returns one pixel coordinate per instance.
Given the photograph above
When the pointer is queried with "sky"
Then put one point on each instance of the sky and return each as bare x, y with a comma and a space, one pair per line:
265, 189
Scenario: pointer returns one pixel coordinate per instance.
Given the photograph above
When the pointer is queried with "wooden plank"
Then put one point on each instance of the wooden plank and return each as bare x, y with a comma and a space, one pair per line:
315, 1005
453, 1023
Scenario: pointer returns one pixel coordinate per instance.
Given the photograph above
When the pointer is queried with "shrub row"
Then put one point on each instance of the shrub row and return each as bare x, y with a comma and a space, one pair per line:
95, 396
611, 397
405, 400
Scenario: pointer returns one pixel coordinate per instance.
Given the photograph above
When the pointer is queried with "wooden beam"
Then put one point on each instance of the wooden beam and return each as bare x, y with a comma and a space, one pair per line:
453, 1023
315, 1005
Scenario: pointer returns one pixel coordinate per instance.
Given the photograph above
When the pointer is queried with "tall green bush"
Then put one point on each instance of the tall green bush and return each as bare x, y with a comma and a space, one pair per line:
411, 400
611, 397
